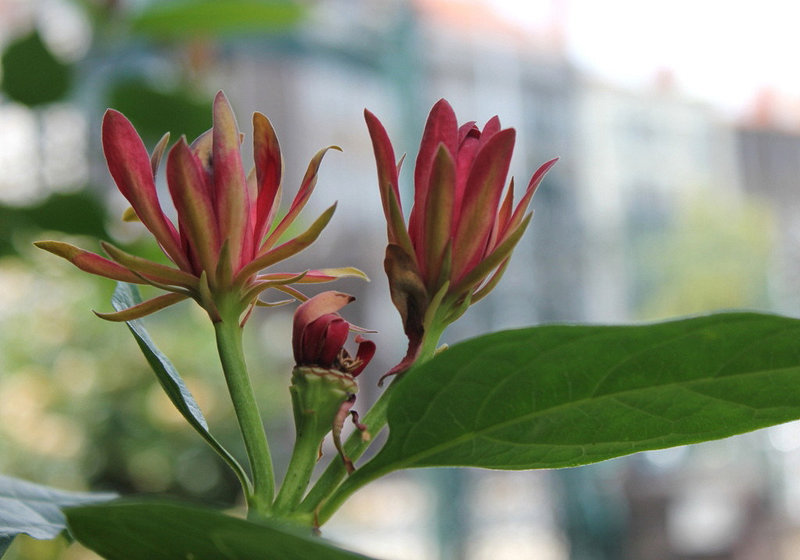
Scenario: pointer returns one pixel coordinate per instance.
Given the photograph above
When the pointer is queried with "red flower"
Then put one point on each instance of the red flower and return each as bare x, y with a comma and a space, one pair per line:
226, 230
319, 335
461, 230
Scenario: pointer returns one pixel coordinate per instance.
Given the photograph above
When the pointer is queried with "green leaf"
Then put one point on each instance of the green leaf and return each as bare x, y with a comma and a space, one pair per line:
31, 74
142, 530
560, 396
33, 509
190, 18
127, 295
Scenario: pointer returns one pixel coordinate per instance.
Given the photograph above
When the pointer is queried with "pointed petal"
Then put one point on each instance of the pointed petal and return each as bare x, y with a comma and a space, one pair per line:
484, 290
145, 308
503, 217
129, 215
263, 284
491, 128
201, 147
192, 197
534, 183
158, 152
151, 270
286, 250
90, 262
269, 170
317, 276
438, 214
300, 199
481, 198
492, 260
230, 184
388, 170
440, 128
130, 167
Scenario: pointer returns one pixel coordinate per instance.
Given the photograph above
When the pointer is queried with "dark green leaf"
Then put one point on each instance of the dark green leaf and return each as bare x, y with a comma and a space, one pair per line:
155, 110
139, 530
31, 74
127, 295
559, 396
35, 510
182, 19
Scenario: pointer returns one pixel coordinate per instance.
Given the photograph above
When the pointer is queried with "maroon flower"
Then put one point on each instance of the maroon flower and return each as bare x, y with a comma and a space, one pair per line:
461, 230
227, 228
319, 335
323, 381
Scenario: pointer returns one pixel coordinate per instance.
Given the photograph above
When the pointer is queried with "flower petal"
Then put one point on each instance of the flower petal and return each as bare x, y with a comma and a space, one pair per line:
440, 128
158, 152
90, 262
269, 170
388, 170
131, 169
366, 350
476, 275
481, 198
193, 200
534, 183
145, 308
286, 250
149, 269
231, 197
300, 199
438, 214
319, 305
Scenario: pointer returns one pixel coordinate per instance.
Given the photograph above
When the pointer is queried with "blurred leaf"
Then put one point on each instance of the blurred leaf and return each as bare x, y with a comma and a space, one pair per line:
560, 396
127, 295
31, 74
189, 19
79, 213
33, 509
154, 112
140, 530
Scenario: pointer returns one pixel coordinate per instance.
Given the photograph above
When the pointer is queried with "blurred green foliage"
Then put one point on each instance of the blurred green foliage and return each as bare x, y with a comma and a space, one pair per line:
31, 74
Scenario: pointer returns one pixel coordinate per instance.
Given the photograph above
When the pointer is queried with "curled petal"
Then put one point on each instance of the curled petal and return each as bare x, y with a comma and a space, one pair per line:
319, 305
366, 350
300, 199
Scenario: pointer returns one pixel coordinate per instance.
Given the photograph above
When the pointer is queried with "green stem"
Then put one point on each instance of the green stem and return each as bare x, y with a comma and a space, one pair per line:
354, 447
229, 344
304, 457
318, 499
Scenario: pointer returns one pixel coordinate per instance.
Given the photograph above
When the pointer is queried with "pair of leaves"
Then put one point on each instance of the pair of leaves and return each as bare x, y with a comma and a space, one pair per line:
560, 396
35, 510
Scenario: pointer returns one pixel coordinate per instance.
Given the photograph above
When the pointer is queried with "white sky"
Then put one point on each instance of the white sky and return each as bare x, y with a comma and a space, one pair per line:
721, 50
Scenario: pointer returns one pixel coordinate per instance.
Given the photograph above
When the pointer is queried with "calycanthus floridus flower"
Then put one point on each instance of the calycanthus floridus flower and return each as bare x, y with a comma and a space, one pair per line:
227, 228
323, 381
461, 230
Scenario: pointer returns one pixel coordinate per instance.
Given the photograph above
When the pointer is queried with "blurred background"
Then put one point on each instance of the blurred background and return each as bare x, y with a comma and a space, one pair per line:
678, 129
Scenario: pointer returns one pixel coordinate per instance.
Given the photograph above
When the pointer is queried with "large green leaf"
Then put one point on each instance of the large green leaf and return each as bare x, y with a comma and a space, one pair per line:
559, 396
33, 509
140, 530
127, 295
190, 18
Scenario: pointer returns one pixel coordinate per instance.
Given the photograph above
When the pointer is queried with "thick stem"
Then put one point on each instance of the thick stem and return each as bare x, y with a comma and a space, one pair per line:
229, 344
354, 447
304, 457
